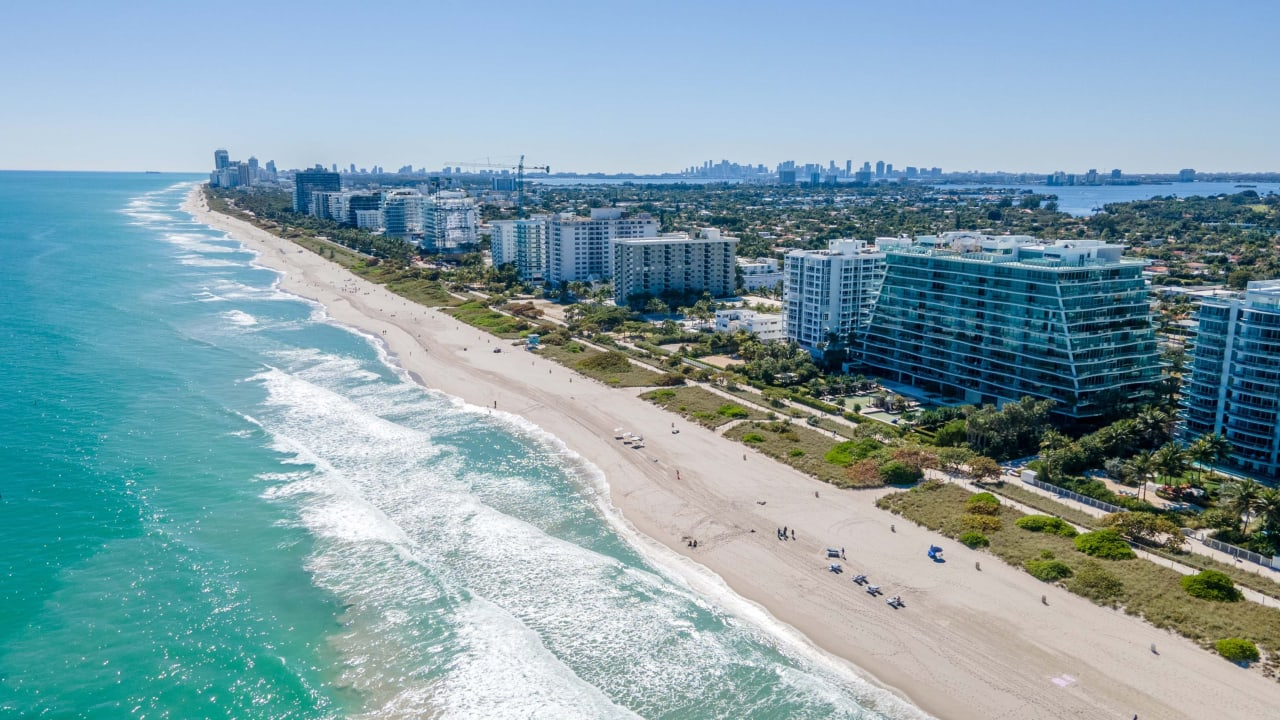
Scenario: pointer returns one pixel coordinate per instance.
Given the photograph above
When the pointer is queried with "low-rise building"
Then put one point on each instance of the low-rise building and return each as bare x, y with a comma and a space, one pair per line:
765, 326
673, 264
760, 273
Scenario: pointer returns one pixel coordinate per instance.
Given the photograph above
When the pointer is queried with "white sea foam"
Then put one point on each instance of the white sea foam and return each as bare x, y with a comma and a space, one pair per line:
626, 631
201, 261
240, 318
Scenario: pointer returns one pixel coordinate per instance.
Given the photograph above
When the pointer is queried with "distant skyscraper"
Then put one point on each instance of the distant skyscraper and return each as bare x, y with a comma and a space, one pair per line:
309, 181
221, 159
1186, 175
1115, 174
866, 167
786, 177
888, 170
879, 168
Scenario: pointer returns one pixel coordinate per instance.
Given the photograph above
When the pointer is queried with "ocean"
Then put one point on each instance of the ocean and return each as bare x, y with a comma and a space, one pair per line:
217, 503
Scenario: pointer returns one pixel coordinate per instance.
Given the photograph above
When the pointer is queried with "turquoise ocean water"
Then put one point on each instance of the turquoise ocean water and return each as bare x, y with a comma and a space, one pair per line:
218, 504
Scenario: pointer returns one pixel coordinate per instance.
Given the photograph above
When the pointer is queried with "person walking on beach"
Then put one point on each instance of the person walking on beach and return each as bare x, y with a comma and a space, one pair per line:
793, 533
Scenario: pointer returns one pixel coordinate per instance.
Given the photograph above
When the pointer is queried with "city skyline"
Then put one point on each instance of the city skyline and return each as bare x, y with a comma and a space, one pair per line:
1144, 86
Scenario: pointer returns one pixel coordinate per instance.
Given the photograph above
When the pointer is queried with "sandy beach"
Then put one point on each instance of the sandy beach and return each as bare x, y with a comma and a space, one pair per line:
969, 644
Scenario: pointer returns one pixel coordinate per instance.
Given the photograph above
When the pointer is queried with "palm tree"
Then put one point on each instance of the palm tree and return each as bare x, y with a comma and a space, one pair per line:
1267, 509
1200, 453
1153, 426
1170, 460
1240, 497
1140, 467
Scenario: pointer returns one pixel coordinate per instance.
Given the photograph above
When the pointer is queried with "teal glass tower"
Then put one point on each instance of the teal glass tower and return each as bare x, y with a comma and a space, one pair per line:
990, 319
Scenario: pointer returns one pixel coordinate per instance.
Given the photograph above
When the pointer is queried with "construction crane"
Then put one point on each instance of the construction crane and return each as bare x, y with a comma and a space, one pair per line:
519, 168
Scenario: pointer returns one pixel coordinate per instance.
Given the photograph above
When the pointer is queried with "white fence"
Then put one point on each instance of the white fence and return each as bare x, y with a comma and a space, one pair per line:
1243, 554
1029, 477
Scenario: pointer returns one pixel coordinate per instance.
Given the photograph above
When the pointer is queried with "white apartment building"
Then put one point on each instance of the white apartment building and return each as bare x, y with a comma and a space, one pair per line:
765, 326
760, 273
522, 243
579, 249
402, 213
831, 292
449, 221
651, 266
368, 219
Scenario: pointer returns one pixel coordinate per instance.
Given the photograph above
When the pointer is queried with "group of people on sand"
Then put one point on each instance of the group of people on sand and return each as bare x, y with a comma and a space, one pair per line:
691, 543
782, 533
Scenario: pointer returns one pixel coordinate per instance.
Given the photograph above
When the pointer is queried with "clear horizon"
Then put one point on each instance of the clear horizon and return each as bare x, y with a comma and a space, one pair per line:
1144, 87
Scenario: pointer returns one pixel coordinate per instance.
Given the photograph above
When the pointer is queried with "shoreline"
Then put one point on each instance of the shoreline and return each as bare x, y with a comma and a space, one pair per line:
969, 644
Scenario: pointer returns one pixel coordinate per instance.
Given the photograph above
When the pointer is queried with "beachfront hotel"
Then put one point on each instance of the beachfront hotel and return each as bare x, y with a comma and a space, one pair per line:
829, 295
992, 319
580, 249
522, 243
1233, 387
674, 263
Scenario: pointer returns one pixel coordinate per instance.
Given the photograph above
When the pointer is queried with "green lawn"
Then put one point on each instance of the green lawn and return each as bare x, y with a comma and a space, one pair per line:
702, 406
1137, 586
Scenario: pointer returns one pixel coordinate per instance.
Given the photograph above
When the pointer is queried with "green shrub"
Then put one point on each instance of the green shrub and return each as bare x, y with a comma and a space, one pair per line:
974, 540
1046, 524
1095, 582
983, 503
574, 347
896, 472
670, 380
1049, 570
980, 523
732, 411
796, 452
850, 451
1211, 585
1237, 650
753, 438
612, 361
1106, 544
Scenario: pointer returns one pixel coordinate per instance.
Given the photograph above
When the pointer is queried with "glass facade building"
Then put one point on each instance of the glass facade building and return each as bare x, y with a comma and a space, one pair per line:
1233, 385
992, 319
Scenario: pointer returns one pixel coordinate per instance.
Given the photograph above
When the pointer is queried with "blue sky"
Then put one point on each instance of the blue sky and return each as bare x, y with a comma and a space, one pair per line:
643, 86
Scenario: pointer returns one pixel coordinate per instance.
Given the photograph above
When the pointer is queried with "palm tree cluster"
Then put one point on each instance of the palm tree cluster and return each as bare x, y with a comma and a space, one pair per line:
1254, 505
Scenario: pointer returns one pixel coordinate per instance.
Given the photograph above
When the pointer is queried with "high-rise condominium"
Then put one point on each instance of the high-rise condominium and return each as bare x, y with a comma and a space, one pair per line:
1233, 388
992, 319
829, 294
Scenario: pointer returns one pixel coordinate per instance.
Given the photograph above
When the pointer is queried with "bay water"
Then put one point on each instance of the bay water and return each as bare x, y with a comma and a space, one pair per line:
216, 503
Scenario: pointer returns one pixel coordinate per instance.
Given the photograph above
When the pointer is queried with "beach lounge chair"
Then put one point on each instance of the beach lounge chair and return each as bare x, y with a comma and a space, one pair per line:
873, 590
833, 553
835, 568
860, 579
895, 602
